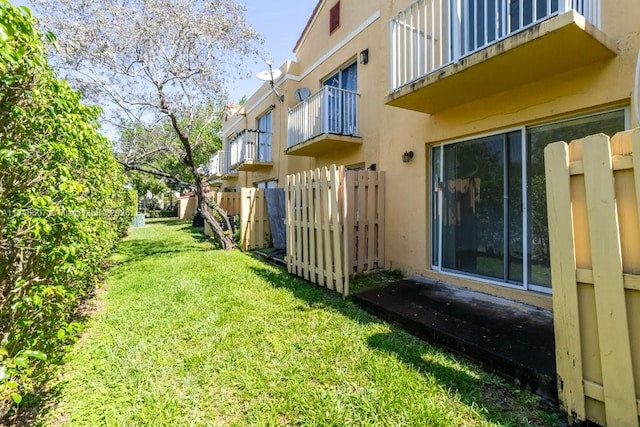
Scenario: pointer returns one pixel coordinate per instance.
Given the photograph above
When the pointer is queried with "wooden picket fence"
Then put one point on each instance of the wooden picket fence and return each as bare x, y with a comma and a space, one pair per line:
230, 202
593, 197
335, 225
251, 206
365, 220
255, 232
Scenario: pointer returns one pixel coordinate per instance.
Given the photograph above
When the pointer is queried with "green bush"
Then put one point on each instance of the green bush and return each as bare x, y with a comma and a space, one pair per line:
63, 205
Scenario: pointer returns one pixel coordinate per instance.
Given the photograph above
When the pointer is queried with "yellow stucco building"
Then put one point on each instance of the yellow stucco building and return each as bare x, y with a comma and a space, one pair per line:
455, 101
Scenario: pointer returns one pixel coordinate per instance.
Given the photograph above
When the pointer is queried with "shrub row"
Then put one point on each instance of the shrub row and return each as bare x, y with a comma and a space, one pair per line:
63, 205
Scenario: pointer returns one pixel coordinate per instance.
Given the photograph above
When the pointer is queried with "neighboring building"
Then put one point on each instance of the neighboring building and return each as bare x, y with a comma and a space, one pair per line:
469, 93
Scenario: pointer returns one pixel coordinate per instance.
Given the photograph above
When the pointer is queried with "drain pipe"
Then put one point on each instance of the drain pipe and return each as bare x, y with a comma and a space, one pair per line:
636, 108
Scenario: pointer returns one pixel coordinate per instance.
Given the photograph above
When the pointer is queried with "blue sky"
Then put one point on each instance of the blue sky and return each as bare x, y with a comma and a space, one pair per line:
280, 23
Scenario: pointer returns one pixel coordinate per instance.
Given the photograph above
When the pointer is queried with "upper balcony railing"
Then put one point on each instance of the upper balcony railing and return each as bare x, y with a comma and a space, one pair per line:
243, 150
431, 34
330, 110
216, 164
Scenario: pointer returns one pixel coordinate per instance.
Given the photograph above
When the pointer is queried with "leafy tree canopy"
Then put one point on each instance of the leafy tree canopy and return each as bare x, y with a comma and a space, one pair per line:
160, 65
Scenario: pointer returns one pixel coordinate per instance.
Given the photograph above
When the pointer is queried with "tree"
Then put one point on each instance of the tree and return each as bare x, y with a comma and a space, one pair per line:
155, 62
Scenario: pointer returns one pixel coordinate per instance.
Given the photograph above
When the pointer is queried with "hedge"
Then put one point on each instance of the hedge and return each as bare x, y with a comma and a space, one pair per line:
63, 206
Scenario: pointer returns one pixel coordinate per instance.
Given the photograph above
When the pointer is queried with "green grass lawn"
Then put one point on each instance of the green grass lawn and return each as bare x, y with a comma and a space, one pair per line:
184, 335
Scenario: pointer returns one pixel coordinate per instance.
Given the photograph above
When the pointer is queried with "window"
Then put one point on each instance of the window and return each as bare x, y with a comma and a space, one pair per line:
264, 138
342, 106
356, 167
334, 18
267, 184
489, 215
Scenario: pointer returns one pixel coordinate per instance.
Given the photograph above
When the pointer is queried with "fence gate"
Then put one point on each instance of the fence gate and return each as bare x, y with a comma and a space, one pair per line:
335, 225
255, 232
593, 201
365, 220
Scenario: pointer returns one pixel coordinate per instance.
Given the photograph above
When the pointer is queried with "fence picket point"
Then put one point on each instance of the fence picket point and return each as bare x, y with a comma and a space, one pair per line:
306, 262
362, 235
319, 212
289, 223
328, 255
372, 188
298, 215
311, 229
335, 179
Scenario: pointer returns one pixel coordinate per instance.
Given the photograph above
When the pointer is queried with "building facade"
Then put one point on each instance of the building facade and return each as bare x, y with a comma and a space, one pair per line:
455, 101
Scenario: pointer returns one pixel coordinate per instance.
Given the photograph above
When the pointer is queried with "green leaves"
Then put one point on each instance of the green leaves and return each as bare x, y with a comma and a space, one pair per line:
36, 354
58, 188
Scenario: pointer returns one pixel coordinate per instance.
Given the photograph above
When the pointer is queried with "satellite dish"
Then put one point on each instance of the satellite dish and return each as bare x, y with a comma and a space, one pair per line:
269, 75
302, 94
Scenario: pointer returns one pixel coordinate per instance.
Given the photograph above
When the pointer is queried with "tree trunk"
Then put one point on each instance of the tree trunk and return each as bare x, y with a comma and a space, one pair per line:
225, 238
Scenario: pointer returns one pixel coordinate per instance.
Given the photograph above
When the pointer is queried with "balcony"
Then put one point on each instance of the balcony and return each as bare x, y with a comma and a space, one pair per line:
216, 164
324, 122
249, 153
445, 53
214, 170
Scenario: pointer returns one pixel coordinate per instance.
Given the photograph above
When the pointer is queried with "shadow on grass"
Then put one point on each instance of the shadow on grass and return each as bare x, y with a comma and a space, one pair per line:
167, 221
131, 251
196, 232
38, 403
488, 395
136, 250
34, 407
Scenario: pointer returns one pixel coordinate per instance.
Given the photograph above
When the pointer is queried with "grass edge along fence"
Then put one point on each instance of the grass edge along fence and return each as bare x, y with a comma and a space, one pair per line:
593, 197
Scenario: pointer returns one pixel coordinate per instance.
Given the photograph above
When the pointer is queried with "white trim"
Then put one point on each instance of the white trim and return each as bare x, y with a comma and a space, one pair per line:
538, 288
373, 18
440, 208
478, 136
627, 118
481, 279
232, 126
526, 285
525, 210
316, 64
569, 116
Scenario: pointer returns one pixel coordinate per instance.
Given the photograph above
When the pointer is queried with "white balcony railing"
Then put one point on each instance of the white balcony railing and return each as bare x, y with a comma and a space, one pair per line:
330, 110
216, 164
431, 34
242, 149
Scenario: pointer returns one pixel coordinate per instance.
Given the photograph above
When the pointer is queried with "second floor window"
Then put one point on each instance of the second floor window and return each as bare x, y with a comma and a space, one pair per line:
264, 137
342, 101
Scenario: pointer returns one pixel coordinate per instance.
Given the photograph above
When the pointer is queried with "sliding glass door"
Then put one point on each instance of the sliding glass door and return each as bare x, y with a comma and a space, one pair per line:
481, 225
489, 216
537, 138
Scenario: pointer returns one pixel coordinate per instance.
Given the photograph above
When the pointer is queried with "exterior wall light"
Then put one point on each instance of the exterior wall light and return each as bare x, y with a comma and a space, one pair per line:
364, 56
407, 156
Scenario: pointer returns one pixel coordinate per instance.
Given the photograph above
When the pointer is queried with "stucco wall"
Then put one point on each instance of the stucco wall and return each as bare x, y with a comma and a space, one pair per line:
186, 207
387, 132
